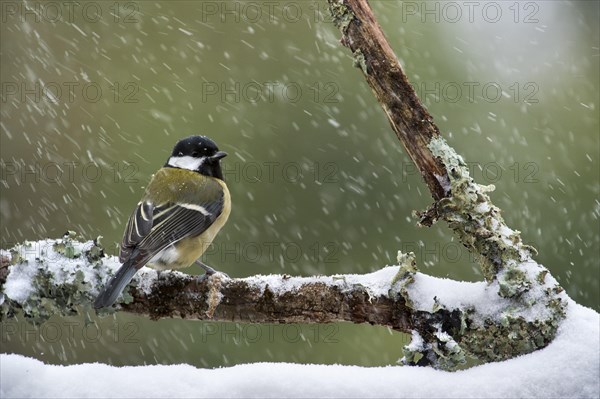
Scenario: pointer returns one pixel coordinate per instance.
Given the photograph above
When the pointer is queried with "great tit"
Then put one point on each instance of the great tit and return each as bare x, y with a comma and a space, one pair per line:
183, 208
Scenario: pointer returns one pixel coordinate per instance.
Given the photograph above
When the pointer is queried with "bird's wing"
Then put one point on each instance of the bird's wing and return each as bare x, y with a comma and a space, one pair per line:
153, 227
138, 227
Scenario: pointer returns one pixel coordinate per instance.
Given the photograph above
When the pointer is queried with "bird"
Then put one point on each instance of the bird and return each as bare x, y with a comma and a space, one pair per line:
184, 206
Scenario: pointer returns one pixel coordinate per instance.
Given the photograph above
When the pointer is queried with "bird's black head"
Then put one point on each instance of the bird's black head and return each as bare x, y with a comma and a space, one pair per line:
197, 153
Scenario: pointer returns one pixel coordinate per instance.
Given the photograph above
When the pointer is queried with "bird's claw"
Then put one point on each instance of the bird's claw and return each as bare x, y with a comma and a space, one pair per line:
208, 271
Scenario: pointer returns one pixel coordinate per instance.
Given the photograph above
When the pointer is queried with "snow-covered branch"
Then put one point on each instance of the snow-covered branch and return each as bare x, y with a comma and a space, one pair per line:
448, 320
59, 276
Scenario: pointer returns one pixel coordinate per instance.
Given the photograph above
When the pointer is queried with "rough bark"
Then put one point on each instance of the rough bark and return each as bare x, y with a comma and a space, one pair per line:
240, 301
408, 117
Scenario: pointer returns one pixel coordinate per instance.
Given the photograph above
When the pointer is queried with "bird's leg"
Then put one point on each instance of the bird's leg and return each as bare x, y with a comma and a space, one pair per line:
208, 271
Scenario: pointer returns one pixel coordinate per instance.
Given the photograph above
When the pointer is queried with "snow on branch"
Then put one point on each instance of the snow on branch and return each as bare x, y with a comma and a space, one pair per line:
59, 276
448, 319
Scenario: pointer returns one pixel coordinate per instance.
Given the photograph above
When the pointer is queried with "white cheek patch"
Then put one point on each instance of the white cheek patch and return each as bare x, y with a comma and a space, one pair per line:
186, 162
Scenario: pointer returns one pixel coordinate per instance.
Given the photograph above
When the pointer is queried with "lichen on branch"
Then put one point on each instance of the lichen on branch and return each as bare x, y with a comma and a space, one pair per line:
477, 222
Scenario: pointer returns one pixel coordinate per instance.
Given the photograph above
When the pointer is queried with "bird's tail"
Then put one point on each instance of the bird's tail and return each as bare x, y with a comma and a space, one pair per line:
116, 285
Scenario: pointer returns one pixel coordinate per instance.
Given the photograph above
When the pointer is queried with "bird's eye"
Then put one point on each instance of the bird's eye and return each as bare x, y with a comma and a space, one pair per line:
180, 154
195, 154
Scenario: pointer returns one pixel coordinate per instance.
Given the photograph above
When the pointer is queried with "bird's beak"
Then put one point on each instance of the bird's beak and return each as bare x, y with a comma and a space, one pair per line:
219, 155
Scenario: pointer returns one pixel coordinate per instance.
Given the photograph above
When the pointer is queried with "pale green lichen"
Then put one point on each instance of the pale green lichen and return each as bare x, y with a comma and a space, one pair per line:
513, 282
66, 247
541, 277
360, 61
407, 266
49, 298
437, 347
437, 305
414, 350
512, 336
440, 350
341, 14
502, 257
15, 256
477, 222
480, 227
534, 306
405, 276
449, 354
61, 290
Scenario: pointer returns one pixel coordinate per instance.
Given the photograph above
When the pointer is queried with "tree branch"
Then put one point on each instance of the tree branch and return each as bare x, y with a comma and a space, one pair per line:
505, 261
408, 117
461, 202
58, 276
283, 299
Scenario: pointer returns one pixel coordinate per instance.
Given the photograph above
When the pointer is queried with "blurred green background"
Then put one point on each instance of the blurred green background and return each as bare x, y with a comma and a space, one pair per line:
95, 95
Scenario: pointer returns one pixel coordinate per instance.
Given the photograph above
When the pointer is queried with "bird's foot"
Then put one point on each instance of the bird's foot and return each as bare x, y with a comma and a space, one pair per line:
208, 271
